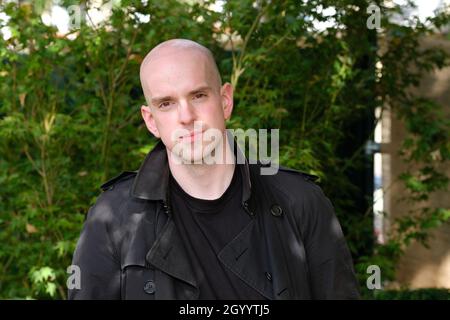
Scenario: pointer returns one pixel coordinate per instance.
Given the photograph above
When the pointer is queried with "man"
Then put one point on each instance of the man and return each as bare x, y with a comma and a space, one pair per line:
194, 223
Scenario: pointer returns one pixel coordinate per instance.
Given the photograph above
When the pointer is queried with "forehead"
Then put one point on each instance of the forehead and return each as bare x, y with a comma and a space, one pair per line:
174, 72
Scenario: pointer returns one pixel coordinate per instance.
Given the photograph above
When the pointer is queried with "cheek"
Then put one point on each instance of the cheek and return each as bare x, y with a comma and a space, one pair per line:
165, 127
218, 117
166, 137
214, 112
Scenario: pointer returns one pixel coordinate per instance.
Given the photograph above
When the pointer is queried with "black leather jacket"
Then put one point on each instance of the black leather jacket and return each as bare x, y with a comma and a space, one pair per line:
293, 248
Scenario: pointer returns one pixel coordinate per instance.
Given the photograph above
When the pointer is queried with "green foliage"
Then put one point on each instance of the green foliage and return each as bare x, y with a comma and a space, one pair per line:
43, 280
418, 294
69, 114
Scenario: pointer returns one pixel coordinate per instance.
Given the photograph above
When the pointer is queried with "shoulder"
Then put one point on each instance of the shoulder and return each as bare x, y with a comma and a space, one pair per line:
114, 198
291, 181
306, 200
119, 179
286, 171
118, 189
299, 189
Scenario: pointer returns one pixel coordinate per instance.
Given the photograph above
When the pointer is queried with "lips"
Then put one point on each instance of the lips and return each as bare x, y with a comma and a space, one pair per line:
191, 136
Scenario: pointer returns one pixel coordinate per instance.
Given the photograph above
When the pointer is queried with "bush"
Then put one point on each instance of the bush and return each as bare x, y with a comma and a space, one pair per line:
69, 113
418, 294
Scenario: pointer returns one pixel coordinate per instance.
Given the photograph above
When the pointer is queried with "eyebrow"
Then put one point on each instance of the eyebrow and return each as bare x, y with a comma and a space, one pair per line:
158, 100
202, 88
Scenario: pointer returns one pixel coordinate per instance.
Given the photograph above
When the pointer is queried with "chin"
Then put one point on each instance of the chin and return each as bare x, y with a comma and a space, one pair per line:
191, 154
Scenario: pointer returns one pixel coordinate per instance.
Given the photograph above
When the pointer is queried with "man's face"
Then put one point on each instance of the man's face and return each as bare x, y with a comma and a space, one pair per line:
185, 100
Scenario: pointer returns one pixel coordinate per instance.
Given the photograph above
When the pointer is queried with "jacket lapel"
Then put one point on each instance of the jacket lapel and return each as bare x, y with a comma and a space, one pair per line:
246, 260
169, 255
257, 255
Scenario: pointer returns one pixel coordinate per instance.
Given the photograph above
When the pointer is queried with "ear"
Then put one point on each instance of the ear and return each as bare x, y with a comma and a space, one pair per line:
226, 93
149, 120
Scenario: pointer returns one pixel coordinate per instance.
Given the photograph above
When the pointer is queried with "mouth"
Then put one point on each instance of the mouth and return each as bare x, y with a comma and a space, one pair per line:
191, 136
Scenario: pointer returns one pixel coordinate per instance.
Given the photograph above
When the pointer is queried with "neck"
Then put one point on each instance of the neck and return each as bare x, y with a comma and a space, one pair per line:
205, 181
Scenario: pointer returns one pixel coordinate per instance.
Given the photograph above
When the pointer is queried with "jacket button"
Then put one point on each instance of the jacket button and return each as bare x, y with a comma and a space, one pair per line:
149, 287
268, 276
247, 209
276, 210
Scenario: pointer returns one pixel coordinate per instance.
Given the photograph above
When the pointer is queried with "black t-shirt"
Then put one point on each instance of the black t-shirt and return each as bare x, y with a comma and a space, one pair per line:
206, 226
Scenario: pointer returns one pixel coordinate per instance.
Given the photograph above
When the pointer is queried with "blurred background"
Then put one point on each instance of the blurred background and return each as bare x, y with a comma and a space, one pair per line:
359, 90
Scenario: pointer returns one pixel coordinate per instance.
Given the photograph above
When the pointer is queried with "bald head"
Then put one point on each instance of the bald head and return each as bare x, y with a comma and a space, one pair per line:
169, 51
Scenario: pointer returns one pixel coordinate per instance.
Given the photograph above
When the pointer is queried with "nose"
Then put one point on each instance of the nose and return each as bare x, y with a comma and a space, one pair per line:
186, 112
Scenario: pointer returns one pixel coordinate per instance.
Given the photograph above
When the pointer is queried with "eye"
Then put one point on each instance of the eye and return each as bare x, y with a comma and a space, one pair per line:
199, 95
164, 104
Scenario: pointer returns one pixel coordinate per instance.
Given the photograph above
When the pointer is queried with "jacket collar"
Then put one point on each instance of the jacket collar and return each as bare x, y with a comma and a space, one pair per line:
152, 179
